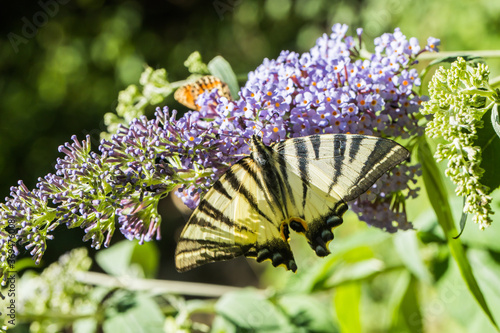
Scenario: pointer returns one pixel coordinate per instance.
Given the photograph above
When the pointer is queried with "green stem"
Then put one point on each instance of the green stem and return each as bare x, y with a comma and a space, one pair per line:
54, 316
155, 286
495, 82
482, 54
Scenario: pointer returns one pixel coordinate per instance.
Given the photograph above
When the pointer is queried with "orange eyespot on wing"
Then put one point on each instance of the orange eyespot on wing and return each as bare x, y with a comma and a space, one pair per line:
189, 93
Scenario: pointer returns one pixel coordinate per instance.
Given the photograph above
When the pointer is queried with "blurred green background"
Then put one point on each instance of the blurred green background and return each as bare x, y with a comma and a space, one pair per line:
62, 64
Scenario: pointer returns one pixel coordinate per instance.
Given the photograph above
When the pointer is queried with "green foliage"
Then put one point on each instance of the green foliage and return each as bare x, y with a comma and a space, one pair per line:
439, 200
129, 312
133, 101
129, 258
60, 300
219, 67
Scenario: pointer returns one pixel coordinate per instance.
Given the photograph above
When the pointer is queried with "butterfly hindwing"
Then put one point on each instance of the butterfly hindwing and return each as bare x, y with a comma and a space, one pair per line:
301, 184
237, 216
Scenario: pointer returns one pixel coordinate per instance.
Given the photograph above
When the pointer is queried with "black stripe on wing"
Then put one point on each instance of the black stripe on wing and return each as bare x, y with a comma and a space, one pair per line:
354, 145
316, 144
302, 151
221, 190
240, 188
386, 154
339, 147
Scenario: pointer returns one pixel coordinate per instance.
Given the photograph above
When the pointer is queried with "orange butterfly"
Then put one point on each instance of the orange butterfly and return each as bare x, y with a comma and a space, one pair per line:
188, 93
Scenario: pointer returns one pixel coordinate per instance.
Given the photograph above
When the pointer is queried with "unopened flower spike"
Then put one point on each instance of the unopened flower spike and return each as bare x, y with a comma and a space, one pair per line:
459, 97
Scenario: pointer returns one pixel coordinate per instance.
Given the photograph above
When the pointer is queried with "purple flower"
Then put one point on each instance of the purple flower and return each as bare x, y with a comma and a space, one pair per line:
432, 44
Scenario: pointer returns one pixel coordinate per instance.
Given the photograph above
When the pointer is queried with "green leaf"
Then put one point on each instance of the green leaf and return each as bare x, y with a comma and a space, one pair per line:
115, 260
489, 142
249, 310
133, 313
463, 220
406, 315
309, 313
147, 256
23, 264
122, 257
489, 270
348, 273
438, 198
407, 249
495, 119
219, 67
352, 249
347, 301
222, 325
85, 326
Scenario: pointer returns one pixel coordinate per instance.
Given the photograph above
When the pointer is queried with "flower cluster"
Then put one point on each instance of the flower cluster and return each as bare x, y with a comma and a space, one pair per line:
458, 100
330, 89
137, 167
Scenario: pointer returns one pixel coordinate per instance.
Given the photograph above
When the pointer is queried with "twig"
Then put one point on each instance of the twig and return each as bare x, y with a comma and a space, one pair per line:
155, 286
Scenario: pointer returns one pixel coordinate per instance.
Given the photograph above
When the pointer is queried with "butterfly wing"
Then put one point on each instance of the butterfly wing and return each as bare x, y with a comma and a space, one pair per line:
189, 93
303, 183
323, 172
238, 216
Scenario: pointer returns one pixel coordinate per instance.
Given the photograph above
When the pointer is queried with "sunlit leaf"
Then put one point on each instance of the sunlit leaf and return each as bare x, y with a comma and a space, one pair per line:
453, 58
348, 273
147, 256
219, 67
24, 263
249, 310
308, 313
352, 249
222, 325
488, 272
115, 260
410, 308
407, 249
347, 301
133, 313
118, 259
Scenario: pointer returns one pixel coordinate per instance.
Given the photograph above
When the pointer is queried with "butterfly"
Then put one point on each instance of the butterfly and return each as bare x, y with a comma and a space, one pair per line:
187, 94
302, 184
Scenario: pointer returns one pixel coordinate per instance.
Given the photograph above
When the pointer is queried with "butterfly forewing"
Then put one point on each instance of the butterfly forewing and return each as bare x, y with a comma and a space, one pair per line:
301, 183
326, 171
341, 165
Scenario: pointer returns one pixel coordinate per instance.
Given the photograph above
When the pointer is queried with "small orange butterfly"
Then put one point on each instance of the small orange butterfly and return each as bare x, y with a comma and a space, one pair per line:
188, 93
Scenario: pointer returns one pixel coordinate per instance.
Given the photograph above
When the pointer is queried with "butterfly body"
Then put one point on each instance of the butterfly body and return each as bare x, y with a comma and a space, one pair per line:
301, 184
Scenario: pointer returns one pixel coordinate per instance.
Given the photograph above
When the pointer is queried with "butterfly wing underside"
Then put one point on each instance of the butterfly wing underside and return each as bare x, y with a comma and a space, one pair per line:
301, 183
188, 94
237, 216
